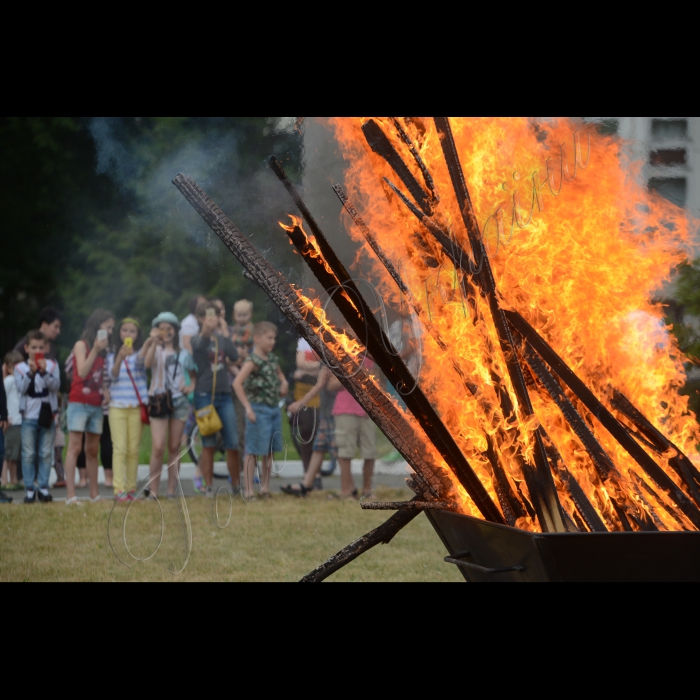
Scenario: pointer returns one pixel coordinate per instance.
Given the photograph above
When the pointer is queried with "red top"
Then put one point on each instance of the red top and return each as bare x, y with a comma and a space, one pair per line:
88, 391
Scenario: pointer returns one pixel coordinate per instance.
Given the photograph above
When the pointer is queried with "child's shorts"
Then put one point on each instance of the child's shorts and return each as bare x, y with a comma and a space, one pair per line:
83, 418
264, 437
352, 432
13, 443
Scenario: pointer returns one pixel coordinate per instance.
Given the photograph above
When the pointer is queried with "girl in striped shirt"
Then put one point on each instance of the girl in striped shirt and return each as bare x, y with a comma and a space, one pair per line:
128, 390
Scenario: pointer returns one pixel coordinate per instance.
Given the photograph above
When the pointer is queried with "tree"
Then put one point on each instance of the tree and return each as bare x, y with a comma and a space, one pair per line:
684, 317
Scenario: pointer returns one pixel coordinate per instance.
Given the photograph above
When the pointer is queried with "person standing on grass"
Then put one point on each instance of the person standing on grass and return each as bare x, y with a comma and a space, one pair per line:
4, 422
242, 337
105, 438
259, 386
305, 423
325, 434
85, 417
353, 428
170, 408
38, 381
213, 356
13, 431
128, 391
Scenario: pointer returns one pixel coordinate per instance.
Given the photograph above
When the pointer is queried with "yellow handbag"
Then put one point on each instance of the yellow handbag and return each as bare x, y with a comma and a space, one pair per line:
208, 419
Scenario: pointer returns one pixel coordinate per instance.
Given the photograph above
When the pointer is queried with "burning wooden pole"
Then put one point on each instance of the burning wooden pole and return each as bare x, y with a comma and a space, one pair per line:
511, 506
361, 319
406, 437
484, 278
606, 418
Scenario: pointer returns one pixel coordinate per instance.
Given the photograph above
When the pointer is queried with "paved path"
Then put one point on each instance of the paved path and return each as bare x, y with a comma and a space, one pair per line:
393, 476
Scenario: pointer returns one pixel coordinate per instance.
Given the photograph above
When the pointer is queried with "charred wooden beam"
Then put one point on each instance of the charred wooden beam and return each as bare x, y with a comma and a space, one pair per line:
539, 480
609, 422
508, 500
382, 535
685, 469
365, 325
380, 144
427, 177
410, 505
585, 508
409, 441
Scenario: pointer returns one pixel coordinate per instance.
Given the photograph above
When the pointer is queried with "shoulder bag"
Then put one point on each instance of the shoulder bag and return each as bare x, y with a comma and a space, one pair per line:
208, 419
161, 407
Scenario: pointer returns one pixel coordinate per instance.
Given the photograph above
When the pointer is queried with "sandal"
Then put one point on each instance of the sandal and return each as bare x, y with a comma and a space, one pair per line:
301, 492
73, 502
82, 485
266, 496
337, 497
97, 499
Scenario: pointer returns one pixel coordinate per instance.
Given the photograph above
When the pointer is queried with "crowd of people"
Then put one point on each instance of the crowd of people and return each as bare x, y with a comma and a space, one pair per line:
123, 375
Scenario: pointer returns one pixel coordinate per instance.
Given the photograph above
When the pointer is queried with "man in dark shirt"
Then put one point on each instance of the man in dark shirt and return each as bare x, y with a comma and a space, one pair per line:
3, 427
50, 321
215, 355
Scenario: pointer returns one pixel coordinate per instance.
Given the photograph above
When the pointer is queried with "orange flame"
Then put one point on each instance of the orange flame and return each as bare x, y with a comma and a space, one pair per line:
578, 246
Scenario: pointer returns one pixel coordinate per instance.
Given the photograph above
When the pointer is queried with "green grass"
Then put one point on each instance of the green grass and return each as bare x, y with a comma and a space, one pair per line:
279, 540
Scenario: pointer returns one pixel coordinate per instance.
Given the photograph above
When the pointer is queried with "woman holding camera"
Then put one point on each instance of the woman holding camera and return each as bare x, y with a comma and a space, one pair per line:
129, 391
85, 416
169, 408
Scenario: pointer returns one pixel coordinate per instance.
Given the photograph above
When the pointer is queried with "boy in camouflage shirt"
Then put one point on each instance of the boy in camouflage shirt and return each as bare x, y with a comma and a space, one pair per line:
259, 386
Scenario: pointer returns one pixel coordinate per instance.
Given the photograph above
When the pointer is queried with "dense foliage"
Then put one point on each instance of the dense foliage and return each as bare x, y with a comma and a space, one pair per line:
684, 316
89, 217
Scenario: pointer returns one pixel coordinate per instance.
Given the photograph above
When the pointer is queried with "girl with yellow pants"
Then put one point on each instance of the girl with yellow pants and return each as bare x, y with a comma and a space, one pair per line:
126, 371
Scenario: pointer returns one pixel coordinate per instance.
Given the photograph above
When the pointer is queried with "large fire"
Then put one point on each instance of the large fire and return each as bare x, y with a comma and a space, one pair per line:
578, 247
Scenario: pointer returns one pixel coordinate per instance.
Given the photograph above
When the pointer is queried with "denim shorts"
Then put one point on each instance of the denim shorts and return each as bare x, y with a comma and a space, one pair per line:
227, 413
85, 419
265, 435
181, 409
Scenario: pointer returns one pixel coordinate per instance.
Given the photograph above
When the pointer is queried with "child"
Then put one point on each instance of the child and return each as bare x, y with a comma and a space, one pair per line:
259, 386
85, 417
129, 391
170, 408
13, 436
38, 381
242, 337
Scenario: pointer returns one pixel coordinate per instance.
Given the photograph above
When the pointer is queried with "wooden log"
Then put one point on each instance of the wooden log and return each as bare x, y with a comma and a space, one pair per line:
427, 177
381, 145
606, 418
406, 437
685, 469
363, 322
382, 535
483, 275
410, 505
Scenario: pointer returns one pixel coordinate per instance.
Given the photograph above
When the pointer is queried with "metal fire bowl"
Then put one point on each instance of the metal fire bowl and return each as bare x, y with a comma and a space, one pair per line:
486, 552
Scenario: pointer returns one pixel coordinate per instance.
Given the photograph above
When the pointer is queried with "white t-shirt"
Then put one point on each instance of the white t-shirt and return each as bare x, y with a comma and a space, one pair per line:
12, 401
189, 328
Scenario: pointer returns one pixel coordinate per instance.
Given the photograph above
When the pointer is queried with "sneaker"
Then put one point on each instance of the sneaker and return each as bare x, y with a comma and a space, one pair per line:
199, 486
318, 484
48, 498
210, 492
131, 496
121, 497
30, 498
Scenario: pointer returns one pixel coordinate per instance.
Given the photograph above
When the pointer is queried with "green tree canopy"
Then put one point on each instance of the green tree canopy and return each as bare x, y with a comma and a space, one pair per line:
90, 218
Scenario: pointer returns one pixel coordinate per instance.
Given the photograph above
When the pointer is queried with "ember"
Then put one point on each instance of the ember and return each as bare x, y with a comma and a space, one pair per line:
540, 403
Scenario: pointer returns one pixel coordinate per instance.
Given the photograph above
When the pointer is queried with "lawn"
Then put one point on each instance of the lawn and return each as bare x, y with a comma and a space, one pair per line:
278, 540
